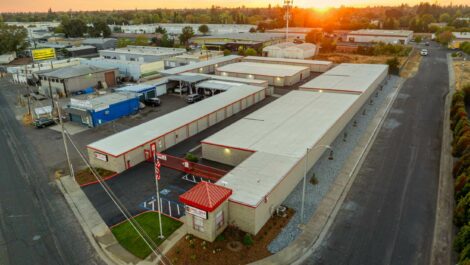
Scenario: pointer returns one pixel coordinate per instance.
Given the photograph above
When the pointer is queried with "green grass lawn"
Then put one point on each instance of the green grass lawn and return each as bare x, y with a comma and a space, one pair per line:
130, 240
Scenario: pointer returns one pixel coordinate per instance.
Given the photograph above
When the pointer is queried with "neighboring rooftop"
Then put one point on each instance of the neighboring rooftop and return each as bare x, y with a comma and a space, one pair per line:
100, 102
461, 35
278, 134
190, 67
205, 196
146, 50
262, 69
382, 32
72, 71
251, 37
124, 141
273, 59
347, 77
255, 82
80, 48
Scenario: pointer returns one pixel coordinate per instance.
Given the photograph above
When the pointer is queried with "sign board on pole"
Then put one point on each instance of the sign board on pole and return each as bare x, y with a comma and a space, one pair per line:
195, 211
43, 54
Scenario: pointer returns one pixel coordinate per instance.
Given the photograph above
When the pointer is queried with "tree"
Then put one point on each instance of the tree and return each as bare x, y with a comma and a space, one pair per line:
393, 65
314, 36
141, 40
445, 17
227, 52
418, 39
121, 43
252, 30
204, 29
445, 37
160, 30
328, 45
250, 52
99, 29
74, 28
12, 38
186, 34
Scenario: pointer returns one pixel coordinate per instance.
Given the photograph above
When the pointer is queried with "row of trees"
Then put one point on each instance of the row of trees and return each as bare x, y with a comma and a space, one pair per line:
416, 18
460, 126
75, 27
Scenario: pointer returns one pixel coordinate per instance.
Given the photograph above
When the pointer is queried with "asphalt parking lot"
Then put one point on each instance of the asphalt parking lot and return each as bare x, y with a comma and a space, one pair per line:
136, 187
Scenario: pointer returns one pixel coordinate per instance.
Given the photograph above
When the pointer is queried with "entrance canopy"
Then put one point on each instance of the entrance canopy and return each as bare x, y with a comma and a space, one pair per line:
206, 196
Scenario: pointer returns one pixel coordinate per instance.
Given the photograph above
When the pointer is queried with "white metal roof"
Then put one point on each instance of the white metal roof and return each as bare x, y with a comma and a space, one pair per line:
218, 85
346, 77
189, 67
138, 88
300, 61
145, 50
303, 46
254, 82
382, 32
279, 134
125, 141
461, 35
262, 69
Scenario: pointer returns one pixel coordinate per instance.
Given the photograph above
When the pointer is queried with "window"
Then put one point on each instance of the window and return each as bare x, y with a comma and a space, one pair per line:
219, 219
198, 224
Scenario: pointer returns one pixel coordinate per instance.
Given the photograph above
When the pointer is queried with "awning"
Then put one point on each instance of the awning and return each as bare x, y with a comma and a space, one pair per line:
190, 79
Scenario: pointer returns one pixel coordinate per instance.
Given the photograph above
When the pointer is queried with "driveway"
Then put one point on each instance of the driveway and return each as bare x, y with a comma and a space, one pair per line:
388, 215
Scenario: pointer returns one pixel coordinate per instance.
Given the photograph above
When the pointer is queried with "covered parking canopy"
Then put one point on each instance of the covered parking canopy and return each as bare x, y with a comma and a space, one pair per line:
188, 81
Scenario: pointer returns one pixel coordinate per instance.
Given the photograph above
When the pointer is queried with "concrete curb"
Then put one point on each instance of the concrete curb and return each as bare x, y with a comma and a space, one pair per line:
441, 250
316, 229
99, 234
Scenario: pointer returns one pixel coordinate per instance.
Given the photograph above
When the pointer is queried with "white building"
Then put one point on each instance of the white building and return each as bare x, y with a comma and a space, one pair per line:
203, 67
379, 35
291, 50
276, 75
128, 148
314, 65
141, 53
134, 69
22, 73
269, 147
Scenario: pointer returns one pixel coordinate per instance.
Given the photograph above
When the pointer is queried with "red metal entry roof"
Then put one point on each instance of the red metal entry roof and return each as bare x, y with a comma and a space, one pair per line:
206, 196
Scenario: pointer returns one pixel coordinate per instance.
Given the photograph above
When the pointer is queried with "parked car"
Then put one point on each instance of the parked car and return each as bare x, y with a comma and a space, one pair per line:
424, 52
154, 102
426, 43
43, 122
194, 98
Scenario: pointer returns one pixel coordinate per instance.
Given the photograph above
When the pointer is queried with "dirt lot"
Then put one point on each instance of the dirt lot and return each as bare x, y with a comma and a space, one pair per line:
462, 73
355, 58
230, 247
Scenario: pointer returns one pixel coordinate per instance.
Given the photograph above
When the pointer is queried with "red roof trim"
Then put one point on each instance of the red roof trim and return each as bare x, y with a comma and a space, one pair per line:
206, 196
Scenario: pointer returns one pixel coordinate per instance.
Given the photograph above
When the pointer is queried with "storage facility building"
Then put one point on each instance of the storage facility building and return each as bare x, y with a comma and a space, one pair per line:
132, 69
204, 67
314, 65
291, 50
146, 90
269, 147
99, 110
381, 35
125, 149
276, 75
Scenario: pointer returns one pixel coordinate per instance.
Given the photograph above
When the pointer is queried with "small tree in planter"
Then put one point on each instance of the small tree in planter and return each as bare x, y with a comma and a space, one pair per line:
247, 240
191, 157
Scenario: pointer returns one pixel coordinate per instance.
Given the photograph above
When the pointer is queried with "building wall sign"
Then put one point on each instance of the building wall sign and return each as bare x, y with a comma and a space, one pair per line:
196, 212
101, 156
43, 54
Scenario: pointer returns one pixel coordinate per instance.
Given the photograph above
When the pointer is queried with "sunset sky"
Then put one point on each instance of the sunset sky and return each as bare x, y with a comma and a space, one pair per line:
59, 5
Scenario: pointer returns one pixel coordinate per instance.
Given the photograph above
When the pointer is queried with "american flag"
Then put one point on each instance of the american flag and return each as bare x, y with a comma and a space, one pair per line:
157, 169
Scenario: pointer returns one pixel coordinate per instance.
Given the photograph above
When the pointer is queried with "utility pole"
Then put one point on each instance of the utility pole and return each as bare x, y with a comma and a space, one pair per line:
287, 4
65, 141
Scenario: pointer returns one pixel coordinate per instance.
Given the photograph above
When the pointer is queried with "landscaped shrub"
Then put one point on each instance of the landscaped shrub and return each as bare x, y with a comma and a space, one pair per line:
462, 239
462, 211
247, 240
191, 157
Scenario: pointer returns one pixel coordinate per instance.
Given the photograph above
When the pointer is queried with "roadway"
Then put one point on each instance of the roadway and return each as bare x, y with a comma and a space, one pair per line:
36, 224
388, 215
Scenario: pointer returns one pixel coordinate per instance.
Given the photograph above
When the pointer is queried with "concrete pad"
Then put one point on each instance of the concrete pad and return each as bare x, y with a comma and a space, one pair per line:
71, 127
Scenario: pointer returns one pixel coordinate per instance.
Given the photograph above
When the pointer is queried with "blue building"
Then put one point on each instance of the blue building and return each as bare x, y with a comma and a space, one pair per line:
99, 110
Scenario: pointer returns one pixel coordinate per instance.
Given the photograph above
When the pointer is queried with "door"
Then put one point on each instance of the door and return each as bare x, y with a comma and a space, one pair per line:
110, 79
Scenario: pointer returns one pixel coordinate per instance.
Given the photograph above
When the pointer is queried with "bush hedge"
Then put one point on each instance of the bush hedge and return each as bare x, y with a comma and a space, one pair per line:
460, 126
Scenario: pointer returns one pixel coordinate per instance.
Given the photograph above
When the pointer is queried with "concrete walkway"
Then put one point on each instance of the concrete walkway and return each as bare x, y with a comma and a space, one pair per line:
315, 230
442, 242
99, 234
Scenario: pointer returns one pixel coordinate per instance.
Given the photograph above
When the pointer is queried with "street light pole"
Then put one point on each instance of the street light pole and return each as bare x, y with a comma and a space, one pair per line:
302, 206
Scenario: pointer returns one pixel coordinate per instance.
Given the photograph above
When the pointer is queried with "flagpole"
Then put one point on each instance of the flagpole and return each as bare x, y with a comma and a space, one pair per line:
157, 176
